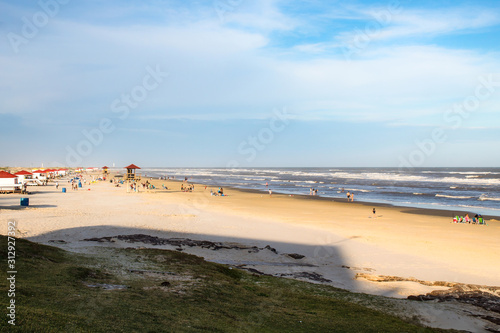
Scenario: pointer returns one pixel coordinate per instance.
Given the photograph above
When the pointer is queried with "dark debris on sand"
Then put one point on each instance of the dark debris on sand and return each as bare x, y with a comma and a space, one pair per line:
484, 297
178, 243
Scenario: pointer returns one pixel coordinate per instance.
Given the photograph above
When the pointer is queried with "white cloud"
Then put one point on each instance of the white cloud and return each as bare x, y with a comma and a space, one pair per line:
227, 70
385, 25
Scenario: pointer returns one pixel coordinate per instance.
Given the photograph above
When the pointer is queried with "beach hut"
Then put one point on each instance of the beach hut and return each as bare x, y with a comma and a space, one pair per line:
50, 173
8, 182
23, 176
131, 173
40, 174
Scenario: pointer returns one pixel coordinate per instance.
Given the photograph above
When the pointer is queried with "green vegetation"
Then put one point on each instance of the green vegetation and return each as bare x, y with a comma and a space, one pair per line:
174, 292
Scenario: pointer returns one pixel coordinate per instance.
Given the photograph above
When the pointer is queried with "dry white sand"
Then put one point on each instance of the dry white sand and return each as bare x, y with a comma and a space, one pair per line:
338, 240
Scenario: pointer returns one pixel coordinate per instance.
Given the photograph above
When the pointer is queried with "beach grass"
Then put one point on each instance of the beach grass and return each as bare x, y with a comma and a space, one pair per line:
170, 291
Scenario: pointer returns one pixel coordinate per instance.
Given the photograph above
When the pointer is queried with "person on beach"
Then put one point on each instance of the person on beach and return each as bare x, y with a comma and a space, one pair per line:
57, 185
374, 213
270, 192
348, 196
352, 197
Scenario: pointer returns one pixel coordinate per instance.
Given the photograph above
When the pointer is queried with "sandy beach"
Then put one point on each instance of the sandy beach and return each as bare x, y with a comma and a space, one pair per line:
342, 244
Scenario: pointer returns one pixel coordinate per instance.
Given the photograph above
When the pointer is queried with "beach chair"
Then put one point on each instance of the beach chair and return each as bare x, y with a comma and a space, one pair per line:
455, 219
481, 221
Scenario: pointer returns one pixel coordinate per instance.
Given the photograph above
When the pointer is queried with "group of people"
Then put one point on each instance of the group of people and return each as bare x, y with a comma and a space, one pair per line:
220, 192
313, 191
350, 196
187, 188
148, 186
74, 183
477, 219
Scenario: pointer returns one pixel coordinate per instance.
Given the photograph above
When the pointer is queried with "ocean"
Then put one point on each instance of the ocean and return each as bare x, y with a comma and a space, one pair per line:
476, 190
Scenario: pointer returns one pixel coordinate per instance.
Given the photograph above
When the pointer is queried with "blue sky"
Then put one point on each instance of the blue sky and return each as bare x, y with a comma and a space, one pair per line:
250, 83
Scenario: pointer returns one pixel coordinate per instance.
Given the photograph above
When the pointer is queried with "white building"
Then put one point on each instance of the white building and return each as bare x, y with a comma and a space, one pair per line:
23, 176
40, 174
8, 181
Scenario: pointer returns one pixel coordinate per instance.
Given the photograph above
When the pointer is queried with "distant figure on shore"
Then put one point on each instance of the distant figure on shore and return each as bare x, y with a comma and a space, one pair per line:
352, 197
267, 184
348, 196
311, 191
57, 185
374, 213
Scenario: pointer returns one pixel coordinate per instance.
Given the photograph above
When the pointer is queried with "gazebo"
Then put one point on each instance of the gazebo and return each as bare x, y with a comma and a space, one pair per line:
105, 170
131, 174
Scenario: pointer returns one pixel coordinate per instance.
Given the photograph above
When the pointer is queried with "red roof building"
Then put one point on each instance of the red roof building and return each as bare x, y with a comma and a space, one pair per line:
8, 181
23, 173
5, 174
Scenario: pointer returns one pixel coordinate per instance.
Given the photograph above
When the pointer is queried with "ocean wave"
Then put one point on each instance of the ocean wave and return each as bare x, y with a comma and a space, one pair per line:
474, 172
395, 177
418, 194
485, 198
357, 190
453, 196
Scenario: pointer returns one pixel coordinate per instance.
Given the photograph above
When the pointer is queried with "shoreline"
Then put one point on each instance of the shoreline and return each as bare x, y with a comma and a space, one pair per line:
457, 190
409, 209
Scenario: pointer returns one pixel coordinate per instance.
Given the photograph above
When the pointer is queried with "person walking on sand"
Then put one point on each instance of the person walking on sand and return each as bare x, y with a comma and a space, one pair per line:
374, 213
270, 193
57, 185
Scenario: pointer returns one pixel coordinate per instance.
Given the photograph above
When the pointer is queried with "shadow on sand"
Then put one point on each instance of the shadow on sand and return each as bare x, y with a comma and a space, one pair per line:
311, 263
